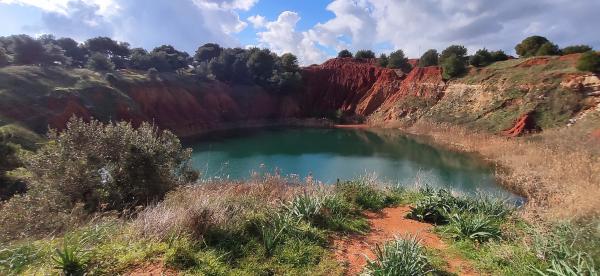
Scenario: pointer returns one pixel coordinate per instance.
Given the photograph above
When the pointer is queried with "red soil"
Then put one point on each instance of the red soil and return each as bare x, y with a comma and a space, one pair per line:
518, 128
155, 269
386, 225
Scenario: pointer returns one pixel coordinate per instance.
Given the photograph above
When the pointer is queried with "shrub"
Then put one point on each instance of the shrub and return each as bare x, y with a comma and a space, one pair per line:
574, 49
481, 58
458, 51
364, 54
181, 254
383, 60
548, 49
100, 62
398, 60
112, 164
499, 56
477, 227
433, 207
452, 67
589, 61
344, 54
399, 257
429, 58
535, 46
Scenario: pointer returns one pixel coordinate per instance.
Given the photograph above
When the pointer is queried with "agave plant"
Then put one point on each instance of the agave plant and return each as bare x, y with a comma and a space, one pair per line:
399, 257
306, 206
477, 227
576, 265
70, 260
272, 232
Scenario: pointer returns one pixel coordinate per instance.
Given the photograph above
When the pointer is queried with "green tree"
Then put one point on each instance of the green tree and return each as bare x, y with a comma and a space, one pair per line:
429, 58
398, 60
100, 62
72, 50
167, 58
531, 46
481, 58
364, 54
499, 56
383, 60
573, 49
260, 64
548, 49
289, 63
207, 52
458, 51
140, 59
452, 67
27, 50
589, 61
344, 54
8, 162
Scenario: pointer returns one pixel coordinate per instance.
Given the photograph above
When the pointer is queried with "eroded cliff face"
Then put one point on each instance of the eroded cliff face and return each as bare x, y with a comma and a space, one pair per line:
506, 97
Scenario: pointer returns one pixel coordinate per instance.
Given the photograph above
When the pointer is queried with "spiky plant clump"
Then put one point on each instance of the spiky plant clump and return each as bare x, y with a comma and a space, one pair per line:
476, 227
399, 257
70, 260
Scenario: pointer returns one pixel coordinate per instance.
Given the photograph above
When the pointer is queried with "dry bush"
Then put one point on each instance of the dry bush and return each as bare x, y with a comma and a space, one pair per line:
559, 173
219, 204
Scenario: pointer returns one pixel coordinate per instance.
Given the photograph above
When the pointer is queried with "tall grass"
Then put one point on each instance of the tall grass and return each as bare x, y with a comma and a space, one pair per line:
558, 170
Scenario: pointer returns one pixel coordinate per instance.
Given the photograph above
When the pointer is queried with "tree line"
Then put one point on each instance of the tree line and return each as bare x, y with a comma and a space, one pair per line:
454, 59
103, 54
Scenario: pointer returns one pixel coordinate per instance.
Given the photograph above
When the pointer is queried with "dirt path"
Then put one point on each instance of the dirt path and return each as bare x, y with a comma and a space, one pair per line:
385, 226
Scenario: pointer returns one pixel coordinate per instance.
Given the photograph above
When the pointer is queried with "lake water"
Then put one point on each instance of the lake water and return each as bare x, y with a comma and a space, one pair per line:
330, 154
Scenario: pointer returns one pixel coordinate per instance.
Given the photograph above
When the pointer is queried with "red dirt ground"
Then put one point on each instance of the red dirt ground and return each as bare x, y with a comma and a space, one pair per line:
155, 269
386, 225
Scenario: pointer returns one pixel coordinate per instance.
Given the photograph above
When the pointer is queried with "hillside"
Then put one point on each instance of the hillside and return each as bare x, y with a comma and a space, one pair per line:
541, 92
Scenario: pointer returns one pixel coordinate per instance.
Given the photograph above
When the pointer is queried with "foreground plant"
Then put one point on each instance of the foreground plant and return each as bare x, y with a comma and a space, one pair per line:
477, 227
70, 260
399, 257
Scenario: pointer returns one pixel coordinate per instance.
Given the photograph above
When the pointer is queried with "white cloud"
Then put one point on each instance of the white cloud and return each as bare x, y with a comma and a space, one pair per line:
418, 25
281, 37
258, 21
183, 23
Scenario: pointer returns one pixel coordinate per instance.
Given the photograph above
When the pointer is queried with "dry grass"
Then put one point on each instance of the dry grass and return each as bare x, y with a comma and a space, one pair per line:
558, 171
223, 205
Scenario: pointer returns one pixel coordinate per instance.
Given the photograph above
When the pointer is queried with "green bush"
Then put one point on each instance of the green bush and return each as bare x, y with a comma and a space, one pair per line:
536, 46
548, 49
399, 257
364, 54
452, 67
344, 54
4, 60
499, 55
481, 58
383, 60
100, 62
429, 58
573, 49
458, 51
112, 164
398, 60
589, 61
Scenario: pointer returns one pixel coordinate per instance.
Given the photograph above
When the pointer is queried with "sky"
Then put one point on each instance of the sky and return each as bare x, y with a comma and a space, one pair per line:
313, 30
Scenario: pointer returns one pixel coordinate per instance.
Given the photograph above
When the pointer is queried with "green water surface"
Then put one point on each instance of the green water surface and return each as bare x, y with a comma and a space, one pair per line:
330, 154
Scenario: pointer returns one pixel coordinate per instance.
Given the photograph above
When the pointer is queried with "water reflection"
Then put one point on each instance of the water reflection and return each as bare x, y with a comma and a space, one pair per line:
330, 154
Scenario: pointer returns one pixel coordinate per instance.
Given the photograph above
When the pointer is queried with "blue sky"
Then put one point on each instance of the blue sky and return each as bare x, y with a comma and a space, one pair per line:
314, 30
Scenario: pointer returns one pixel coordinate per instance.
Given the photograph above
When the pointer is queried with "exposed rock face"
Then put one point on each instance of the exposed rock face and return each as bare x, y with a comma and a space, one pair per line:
508, 97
